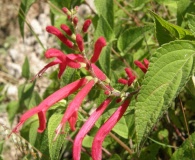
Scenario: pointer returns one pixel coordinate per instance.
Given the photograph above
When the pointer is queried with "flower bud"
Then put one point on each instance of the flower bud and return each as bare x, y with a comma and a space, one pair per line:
141, 66
66, 29
80, 43
57, 33
75, 21
86, 25
99, 44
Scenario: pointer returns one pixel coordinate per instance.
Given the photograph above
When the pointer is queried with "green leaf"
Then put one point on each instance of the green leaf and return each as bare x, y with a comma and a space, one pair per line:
182, 6
169, 70
191, 24
25, 92
138, 4
1, 147
57, 5
55, 146
130, 37
34, 100
12, 110
23, 10
104, 59
104, 29
121, 128
87, 141
115, 157
166, 32
105, 8
149, 152
187, 150
33, 132
26, 69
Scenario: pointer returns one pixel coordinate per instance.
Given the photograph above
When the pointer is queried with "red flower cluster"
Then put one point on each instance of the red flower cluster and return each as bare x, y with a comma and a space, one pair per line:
84, 85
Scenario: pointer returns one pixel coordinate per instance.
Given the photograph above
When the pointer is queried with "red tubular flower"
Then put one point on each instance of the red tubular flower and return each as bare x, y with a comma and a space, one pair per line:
77, 145
66, 29
99, 74
105, 129
48, 102
74, 106
71, 60
86, 25
76, 57
80, 43
57, 33
99, 44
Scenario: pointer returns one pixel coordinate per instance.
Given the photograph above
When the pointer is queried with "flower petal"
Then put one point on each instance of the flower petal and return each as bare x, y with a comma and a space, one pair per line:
76, 57
77, 145
25, 116
98, 73
105, 129
53, 52
62, 67
42, 121
54, 62
72, 120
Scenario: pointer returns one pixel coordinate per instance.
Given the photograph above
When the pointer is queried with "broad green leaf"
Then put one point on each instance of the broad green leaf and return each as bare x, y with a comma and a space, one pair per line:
55, 146
12, 110
121, 128
129, 38
191, 24
104, 29
169, 70
42, 144
104, 59
105, 8
35, 99
187, 150
166, 32
26, 69
182, 6
87, 141
33, 132
149, 152
25, 92
23, 10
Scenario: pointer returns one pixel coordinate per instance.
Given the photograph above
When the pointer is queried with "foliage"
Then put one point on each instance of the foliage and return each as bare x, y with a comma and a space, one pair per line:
158, 123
